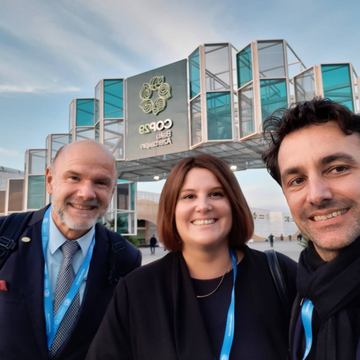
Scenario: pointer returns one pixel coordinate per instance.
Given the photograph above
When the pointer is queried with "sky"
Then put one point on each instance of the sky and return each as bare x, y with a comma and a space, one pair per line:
54, 51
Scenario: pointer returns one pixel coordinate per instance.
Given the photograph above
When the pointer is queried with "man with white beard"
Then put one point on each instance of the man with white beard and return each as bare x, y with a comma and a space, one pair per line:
56, 285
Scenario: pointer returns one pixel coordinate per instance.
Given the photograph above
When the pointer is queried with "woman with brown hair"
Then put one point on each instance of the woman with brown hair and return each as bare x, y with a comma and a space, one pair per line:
211, 297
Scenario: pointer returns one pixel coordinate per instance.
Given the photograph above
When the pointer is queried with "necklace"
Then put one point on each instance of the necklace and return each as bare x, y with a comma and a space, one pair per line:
204, 296
221, 280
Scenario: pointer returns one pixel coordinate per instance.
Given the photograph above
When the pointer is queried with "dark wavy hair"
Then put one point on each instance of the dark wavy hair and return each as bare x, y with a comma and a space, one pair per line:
300, 115
242, 224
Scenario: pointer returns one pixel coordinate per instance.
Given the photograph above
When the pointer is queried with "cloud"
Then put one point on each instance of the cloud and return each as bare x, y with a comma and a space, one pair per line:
37, 90
6, 152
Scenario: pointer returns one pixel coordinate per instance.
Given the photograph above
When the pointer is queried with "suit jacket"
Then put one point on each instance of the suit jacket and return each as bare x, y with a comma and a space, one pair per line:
22, 321
155, 314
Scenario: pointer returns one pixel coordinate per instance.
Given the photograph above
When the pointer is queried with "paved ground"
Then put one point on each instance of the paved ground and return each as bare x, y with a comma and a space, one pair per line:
289, 248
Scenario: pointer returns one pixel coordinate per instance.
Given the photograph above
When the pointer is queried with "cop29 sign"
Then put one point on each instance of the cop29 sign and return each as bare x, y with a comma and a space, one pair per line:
158, 124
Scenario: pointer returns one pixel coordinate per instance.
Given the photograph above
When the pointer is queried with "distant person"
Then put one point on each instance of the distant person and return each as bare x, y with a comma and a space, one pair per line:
282, 237
299, 237
181, 306
271, 239
55, 285
290, 237
153, 243
314, 155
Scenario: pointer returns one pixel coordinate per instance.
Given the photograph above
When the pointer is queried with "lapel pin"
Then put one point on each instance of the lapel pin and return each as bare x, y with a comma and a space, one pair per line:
25, 239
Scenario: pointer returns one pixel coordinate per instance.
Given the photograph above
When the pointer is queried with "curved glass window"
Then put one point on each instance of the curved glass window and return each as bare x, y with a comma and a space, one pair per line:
37, 161
2, 201
217, 67
97, 102
113, 99
246, 110
337, 84
194, 73
271, 59
219, 116
305, 85
36, 192
273, 96
114, 137
244, 66
196, 135
85, 112
16, 188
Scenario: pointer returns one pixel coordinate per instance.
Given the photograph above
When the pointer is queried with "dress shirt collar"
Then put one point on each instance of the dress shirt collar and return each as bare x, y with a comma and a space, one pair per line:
57, 239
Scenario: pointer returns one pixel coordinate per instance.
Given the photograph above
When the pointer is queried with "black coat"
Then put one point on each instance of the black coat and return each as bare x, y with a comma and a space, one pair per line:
22, 321
155, 314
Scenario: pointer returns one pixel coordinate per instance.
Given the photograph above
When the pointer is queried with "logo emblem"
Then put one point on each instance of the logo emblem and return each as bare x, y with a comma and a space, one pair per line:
67, 302
159, 104
46, 293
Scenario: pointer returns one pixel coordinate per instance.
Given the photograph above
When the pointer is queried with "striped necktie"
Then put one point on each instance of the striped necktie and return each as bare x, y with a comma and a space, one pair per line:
64, 281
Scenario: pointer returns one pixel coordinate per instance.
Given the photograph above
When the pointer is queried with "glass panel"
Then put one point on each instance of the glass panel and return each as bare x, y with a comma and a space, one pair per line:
132, 229
234, 68
71, 115
108, 220
123, 197
57, 142
132, 205
246, 110
305, 86
219, 116
337, 84
122, 223
273, 96
196, 135
36, 192
85, 133
97, 102
244, 66
97, 132
2, 202
114, 137
194, 73
217, 72
271, 59
15, 195
85, 112
113, 99
37, 161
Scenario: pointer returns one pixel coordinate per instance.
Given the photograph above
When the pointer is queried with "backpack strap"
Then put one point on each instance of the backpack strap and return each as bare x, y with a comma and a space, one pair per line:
124, 257
278, 278
10, 232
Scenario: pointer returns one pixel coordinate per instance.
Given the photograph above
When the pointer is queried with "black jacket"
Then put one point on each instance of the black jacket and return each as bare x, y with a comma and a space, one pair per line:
22, 322
155, 314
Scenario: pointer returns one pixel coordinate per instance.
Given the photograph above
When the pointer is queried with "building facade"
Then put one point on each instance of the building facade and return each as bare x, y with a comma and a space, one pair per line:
214, 101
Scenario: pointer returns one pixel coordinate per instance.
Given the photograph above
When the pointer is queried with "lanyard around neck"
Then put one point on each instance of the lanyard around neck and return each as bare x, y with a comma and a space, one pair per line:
53, 323
306, 317
230, 322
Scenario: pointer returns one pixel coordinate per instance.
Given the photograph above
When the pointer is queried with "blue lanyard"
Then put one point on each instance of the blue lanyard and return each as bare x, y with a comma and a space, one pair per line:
306, 316
53, 323
230, 322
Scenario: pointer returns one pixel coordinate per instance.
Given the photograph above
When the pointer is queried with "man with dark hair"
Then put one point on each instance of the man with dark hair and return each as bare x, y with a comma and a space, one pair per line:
314, 154
56, 286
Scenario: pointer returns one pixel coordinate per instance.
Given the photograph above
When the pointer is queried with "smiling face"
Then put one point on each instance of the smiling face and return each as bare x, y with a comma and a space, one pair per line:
203, 214
320, 175
82, 182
